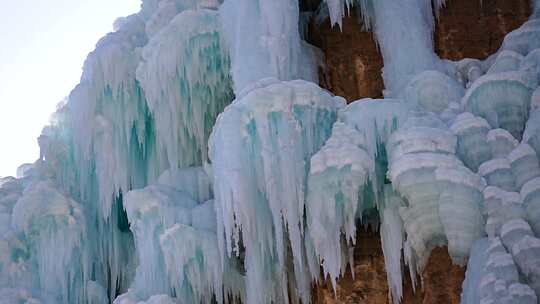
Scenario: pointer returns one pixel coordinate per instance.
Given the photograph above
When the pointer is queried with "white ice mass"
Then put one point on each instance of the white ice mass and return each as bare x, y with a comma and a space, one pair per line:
198, 161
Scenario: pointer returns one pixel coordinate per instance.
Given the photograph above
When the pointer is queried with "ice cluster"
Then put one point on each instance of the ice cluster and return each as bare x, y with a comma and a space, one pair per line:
198, 161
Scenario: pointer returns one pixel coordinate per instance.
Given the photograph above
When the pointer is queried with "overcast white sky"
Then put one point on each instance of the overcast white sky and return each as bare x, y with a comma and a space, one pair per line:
43, 44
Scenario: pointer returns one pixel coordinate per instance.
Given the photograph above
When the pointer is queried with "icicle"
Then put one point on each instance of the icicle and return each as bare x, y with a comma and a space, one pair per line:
271, 47
54, 226
260, 151
339, 174
185, 76
392, 236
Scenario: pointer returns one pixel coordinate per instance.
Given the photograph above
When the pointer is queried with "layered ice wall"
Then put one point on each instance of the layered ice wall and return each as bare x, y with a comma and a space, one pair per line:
192, 165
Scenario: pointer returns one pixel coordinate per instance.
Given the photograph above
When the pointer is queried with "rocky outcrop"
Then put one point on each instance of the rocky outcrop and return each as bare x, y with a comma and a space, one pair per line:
439, 283
476, 29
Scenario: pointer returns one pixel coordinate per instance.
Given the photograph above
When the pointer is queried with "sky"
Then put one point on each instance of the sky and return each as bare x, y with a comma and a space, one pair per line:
43, 45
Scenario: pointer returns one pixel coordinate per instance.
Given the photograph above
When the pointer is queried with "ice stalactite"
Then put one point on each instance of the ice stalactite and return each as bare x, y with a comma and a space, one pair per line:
53, 227
392, 236
341, 189
270, 135
475, 271
338, 181
271, 48
185, 76
443, 197
150, 211
404, 31
174, 224
505, 98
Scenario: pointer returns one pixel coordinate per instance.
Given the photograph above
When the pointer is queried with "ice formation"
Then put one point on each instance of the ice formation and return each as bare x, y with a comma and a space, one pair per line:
200, 162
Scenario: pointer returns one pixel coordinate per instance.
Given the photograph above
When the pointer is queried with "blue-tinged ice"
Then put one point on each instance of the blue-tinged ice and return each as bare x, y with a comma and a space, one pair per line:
108, 116
392, 236
501, 142
193, 263
532, 131
185, 76
433, 91
376, 118
404, 31
501, 206
154, 186
425, 171
260, 150
127, 298
530, 192
524, 39
272, 46
489, 98
338, 180
53, 226
471, 131
469, 70
498, 172
150, 211
506, 61
518, 237
193, 181
524, 164
531, 63
475, 272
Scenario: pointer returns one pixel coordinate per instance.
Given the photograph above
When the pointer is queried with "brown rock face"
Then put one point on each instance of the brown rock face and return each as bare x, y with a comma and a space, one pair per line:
353, 61
439, 283
476, 29
369, 284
